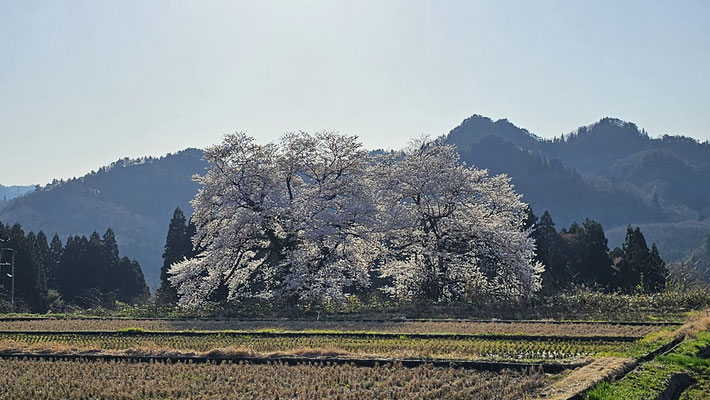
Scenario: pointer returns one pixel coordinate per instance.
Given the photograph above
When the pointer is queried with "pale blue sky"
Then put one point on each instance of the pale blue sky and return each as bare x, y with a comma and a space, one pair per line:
83, 83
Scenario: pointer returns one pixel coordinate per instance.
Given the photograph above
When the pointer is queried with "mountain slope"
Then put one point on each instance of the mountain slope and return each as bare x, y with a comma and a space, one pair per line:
134, 197
610, 171
548, 185
8, 193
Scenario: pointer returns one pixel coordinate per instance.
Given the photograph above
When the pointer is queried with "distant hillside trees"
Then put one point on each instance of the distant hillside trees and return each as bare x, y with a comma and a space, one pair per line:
309, 218
701, 258
178, 247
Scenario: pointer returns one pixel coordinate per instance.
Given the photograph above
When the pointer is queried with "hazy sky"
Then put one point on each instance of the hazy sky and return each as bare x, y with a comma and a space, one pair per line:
83, 83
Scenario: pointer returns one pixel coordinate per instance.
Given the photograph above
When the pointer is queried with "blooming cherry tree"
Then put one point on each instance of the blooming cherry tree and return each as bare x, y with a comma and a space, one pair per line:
451, 230
291, 220
310, 217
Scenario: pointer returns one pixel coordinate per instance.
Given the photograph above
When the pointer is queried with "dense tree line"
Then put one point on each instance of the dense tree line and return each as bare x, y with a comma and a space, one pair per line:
579, 256
573, 257
85, 272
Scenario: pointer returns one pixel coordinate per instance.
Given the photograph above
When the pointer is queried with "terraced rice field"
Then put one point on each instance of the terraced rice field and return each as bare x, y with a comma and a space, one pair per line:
32, 379
305, 359
347, 345
545, 328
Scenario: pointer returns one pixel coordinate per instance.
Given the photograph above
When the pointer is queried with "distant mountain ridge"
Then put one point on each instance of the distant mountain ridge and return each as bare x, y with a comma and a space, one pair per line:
609, 171
8, 193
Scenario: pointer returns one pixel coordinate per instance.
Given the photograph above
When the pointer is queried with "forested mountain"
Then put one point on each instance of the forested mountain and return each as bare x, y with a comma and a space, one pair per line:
8, 193
609, 171
547, 184
134, 197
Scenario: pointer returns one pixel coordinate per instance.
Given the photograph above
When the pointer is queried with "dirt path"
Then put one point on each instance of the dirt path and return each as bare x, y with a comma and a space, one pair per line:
574, 381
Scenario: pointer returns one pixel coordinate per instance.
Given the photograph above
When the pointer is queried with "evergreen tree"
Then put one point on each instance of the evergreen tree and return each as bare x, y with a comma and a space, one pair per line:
575, 229
599, 263
617, 253
178, 247
587, 254
90, 272
640, 269
635, 253
550, 253
131, 286
30, 280
530, 219
55, 254
657, 272
109, 252
94, 263
44, 255
71, 278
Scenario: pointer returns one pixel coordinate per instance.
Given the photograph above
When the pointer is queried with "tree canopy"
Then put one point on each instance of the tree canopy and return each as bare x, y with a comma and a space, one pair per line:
309, 218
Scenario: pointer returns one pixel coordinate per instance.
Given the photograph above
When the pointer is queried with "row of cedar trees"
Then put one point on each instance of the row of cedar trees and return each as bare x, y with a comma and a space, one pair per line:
580, 256
85, 272
574, 257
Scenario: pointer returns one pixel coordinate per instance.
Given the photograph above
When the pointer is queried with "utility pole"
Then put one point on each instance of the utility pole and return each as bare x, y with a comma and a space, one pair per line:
11, 264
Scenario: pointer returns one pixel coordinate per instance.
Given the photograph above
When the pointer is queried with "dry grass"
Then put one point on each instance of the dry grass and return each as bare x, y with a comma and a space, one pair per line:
27, 379
541, 328
42, 380
364, 347
573, 381
699, 322
57, 349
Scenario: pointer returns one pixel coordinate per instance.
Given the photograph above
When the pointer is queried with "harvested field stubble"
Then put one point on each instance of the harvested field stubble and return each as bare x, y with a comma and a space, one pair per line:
31, 379
365, 342
387, 347
466, 327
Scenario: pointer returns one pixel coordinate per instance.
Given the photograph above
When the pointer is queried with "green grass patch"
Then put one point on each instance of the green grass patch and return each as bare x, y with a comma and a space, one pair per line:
652, 378
693, 347
643, 384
